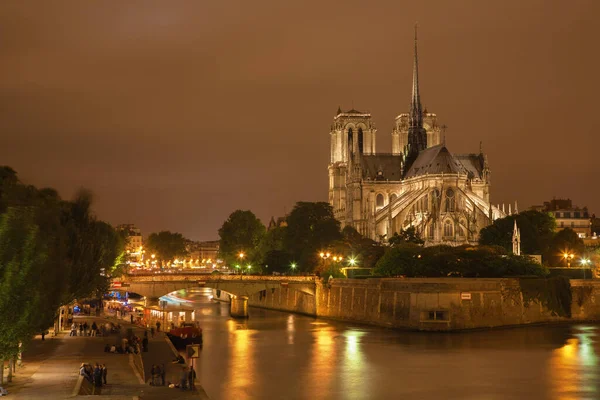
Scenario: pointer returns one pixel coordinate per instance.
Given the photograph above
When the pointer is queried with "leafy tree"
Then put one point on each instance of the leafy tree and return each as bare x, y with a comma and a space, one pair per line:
311, 228
166, 245
278, 261
537, 230
409, 235
242, 232
564, 241
272, 240
364, 251
464, 261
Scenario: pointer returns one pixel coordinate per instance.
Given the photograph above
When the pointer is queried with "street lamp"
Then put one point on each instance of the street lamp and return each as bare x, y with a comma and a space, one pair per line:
293, 267
241, 257
568, 258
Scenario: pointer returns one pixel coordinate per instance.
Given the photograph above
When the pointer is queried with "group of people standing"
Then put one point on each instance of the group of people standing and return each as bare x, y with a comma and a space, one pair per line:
96, 374
85, 329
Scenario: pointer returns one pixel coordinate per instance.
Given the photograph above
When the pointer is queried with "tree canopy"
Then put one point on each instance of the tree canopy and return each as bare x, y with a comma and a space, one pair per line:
242, 232
311, 228
537, 231
166, 246
464, 261
51, 252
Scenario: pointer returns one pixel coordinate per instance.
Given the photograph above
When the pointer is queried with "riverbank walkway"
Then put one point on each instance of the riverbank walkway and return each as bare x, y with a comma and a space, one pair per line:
50, 368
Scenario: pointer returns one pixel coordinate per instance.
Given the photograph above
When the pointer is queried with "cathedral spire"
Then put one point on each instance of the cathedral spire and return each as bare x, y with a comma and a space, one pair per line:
417, 137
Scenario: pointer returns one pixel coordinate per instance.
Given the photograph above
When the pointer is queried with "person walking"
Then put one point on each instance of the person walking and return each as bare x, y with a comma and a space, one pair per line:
104, 373
191, 378
94, 329
73, 329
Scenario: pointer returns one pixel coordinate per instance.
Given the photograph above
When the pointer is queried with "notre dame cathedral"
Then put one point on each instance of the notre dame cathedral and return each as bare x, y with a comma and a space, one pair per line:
445, 196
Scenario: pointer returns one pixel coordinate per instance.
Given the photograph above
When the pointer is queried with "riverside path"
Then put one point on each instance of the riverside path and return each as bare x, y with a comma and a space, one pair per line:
51, 368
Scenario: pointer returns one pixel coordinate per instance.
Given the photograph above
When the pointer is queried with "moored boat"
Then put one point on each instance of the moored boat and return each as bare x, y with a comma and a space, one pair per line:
184, 335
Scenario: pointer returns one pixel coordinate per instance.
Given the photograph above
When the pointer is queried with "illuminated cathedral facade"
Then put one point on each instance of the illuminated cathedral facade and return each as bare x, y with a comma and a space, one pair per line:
445, 196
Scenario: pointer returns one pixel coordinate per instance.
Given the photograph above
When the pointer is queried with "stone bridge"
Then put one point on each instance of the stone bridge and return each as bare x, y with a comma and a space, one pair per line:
153, 286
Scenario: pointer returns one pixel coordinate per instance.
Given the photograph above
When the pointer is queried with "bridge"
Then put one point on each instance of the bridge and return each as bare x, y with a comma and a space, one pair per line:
240, 287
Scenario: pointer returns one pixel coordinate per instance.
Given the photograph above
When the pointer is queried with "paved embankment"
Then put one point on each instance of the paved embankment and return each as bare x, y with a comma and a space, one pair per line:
51, 367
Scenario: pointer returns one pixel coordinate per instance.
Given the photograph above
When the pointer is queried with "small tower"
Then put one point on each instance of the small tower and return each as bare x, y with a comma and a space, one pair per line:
516, 240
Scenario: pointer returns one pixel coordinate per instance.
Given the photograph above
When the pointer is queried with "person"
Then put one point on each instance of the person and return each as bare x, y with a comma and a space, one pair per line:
43, 334
152, 374
73, 329
145, 343
157, 326
191, 378
94, 329
83, 372
131, 318
80, 329
97, 376
104, 373
163, 372
183, 377
151, 331
85, 328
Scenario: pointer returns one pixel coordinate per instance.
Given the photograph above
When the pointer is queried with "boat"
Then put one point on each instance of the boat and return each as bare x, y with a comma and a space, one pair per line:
184, 335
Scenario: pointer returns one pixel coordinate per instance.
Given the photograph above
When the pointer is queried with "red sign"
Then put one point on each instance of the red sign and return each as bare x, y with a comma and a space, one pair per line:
116, 284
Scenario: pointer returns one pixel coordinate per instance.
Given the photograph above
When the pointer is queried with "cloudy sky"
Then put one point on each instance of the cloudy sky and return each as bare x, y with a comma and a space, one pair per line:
176, 113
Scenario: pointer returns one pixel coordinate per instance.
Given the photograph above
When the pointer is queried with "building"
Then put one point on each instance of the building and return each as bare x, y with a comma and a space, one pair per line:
569, 216
421, 183
203, 253
280, 222
133, 236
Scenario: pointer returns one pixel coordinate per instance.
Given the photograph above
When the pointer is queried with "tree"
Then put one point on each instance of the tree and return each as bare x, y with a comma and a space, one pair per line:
364, 251
565, 241
409, 235
311, 228
537, 230
464, 261
242, 232
278, 261
166, 245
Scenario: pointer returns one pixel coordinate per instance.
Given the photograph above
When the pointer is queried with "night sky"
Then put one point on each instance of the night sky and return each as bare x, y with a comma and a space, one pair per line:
176, 113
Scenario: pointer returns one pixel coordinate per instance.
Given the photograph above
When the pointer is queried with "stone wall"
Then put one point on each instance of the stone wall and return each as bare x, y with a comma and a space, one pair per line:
428, 304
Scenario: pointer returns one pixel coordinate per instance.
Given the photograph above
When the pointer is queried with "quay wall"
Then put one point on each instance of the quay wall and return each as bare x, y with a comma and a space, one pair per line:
429, 304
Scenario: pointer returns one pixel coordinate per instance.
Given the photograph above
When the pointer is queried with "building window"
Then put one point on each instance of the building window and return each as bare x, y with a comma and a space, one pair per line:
450, 200
393, 197
448, 229
360, 141
577, 214
460, 230
567, 215
379, 200
557, 214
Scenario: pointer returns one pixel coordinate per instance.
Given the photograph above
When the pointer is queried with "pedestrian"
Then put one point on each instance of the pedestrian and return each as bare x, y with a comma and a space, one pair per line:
104, 373
73, 329
157, 326
85, 328
152, 331
80, 329
153, 374
83, 372
131, 318
191, 378
163, 372
145, 344
97, 376
183, 377
43, 334
94, 329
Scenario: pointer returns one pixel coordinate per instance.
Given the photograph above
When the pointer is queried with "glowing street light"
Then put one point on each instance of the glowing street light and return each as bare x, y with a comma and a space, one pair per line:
352, 261
585, 261
568, 258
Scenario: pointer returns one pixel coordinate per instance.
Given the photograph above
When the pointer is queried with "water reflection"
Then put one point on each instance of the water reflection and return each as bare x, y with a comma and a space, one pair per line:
276, 355
573, 368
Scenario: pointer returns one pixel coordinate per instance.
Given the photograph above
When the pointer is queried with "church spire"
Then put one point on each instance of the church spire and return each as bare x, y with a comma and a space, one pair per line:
417, 137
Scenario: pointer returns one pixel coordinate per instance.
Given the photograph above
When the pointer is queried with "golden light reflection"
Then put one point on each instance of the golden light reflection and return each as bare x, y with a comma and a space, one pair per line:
241, 361
573, 368
323, 356
291, 329
354, 366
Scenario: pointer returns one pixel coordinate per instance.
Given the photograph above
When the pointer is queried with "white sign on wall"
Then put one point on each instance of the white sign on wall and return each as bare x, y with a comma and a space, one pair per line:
465, 296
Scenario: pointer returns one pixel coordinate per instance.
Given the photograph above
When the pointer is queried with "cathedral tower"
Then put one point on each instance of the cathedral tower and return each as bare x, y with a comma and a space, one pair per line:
417, 137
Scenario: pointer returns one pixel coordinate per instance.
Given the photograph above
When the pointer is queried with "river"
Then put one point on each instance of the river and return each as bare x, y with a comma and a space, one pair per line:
276, 355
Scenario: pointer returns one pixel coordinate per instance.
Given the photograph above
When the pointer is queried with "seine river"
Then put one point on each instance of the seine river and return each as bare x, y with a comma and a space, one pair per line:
275, 355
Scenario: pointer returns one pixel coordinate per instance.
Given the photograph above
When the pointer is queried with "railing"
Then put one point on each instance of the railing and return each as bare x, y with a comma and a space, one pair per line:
153, 277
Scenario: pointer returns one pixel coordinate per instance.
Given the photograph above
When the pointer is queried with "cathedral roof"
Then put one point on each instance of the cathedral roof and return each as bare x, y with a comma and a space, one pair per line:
435, 160
473, 163
382, 167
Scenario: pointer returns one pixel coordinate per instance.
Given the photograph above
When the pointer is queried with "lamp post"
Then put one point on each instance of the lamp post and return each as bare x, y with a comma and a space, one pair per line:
324, 256
241, 257
293, 267
568, 258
